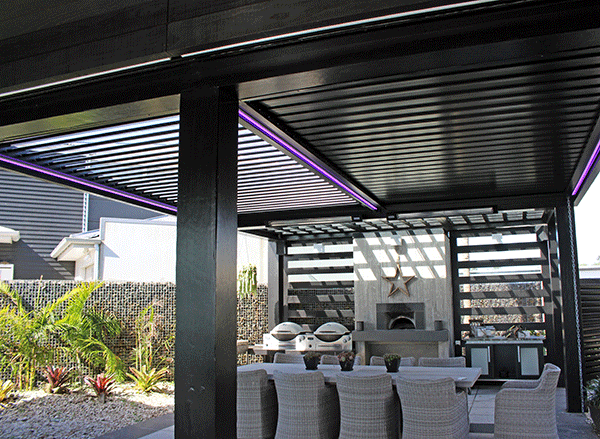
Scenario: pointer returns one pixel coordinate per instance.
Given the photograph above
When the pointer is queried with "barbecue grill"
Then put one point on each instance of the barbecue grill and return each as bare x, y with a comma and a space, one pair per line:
332, 336
284, 336
329, 337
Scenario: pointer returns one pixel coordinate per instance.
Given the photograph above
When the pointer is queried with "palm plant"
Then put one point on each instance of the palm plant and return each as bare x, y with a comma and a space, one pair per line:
25, 336
143, 374
146, 330
85, 331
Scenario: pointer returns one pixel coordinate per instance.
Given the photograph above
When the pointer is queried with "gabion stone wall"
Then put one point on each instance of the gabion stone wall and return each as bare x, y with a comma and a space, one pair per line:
252, 321
127, 299
123, 299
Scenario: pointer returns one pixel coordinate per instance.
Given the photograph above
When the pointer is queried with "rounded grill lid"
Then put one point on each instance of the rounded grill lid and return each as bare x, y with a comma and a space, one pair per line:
286, 331
331, 331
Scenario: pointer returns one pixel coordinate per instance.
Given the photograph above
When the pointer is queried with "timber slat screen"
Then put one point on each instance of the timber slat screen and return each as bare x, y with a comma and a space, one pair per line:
320, 283
590, 323
503, 278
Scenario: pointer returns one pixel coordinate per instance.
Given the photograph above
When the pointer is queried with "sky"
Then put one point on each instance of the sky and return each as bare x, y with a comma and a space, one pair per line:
587, 225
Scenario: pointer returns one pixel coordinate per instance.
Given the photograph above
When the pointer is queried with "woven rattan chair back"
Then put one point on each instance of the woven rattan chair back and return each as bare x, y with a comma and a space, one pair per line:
256, 405
368, 407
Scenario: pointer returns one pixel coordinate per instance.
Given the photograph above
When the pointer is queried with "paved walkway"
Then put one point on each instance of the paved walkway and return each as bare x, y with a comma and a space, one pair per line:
481, 416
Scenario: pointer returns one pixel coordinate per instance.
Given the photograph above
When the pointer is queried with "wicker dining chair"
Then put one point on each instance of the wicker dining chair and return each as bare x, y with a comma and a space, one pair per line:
368, 407
280, 357
443, 362
308, 408
358, 360
527, 408
404, 361
329, 359
256, 405
408, 361
376, 361
432, 409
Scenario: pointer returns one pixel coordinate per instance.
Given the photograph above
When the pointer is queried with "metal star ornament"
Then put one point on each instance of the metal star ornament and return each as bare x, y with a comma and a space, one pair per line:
397, 277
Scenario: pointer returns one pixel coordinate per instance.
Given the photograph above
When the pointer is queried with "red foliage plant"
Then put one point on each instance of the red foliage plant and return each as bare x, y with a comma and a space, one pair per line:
57, 379
102, 385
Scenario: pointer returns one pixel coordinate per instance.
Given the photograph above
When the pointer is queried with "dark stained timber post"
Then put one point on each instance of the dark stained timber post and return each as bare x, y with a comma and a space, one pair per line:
276, 281
205, 345
569, 276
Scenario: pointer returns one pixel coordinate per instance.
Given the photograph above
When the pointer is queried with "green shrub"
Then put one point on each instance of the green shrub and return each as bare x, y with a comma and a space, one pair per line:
147, 380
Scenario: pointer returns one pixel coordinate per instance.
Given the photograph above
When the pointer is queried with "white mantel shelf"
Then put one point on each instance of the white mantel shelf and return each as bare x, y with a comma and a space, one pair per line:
400, 336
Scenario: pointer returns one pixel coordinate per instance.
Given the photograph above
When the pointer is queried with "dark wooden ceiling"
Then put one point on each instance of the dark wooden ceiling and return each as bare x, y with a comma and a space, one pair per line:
514, 129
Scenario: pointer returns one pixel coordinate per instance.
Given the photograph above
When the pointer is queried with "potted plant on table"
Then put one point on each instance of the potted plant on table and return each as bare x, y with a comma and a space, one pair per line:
311, 360
346, 361
392, 362
592, 398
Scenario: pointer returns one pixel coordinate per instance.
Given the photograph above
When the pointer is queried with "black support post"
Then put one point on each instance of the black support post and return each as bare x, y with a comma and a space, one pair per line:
205, 346
554, 334
569, 277
456, 314
276, 282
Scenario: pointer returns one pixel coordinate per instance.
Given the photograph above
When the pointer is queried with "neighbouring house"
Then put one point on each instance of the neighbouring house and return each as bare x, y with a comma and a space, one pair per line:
7, 237
140, 251
36, 214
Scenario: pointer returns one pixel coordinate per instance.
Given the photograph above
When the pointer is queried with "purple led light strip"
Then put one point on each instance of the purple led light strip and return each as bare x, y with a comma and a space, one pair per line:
587, 169
305, 159
82, 182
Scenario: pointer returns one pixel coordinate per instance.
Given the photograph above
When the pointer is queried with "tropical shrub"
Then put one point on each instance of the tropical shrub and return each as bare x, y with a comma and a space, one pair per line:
58, 378
247, 284
25, 336
84, 332
147, 380
147, 340
102, 385
5, 388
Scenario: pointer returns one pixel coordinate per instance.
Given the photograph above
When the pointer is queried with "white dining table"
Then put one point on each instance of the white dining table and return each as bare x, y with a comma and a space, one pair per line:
464, 377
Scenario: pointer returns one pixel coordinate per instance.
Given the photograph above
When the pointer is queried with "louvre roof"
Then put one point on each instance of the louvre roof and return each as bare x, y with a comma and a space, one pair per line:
141, 158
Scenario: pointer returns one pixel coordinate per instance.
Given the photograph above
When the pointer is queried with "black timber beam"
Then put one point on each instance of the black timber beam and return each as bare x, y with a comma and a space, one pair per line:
533, 30
205, 346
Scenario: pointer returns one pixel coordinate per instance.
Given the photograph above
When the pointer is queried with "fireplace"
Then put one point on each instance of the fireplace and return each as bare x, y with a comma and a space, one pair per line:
398, 316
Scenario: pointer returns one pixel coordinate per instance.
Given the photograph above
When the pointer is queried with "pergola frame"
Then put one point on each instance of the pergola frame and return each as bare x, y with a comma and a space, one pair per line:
205, 406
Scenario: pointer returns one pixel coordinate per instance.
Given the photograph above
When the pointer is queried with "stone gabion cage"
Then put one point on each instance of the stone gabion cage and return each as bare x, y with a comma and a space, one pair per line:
127, 299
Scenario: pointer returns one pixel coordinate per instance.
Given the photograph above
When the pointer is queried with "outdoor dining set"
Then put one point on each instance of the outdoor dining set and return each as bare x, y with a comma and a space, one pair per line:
424, 399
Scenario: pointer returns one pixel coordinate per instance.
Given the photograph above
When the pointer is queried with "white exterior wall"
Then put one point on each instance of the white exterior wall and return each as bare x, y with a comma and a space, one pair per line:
254, 250
84, 267
145, 251
137, 250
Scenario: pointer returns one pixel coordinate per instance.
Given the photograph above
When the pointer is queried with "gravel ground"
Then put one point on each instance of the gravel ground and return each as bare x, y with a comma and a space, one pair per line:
79, 415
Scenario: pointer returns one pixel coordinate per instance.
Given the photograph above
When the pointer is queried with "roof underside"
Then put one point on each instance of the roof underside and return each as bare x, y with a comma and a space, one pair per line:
508, 130
440, 114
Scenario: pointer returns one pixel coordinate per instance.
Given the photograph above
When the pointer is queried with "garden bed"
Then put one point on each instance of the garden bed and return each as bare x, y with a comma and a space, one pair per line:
79, 414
